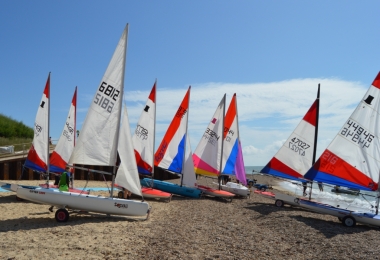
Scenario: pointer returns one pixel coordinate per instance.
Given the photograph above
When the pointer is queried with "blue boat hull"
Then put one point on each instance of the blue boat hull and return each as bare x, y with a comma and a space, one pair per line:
172, 188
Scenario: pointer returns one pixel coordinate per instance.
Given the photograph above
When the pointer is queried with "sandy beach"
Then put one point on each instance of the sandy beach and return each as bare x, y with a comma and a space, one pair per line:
208, 228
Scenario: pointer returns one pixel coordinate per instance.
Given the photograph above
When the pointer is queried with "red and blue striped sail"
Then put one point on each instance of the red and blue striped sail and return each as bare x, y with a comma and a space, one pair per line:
143, 138
171, 152
231, 139
352, 159
38, 155
297, 154
66, 143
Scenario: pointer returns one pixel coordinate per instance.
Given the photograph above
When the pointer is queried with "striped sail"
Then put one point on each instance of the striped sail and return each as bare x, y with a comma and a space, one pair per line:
239, 166
296, 155
38, 155
127, 174
171, 152
231, 139
97, 141
208, 154
352, 159
66, 143
143, 138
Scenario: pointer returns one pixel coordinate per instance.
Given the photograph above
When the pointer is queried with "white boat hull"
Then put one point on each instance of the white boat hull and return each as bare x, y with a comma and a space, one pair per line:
236, 189
360, 217
85, 202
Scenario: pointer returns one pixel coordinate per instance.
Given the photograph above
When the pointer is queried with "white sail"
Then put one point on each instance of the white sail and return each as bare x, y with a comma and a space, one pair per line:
66, 143
208, 154
97, 141
188, 176
143, 138
127, 175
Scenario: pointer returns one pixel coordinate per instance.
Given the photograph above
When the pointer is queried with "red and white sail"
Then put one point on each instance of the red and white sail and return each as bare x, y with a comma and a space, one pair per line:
170, 154
98, 138
66, 143
296, 155
352, 159
38, 156
144, 136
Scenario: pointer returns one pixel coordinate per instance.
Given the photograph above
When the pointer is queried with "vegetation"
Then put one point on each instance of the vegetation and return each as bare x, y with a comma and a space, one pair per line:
15, 133
10, 128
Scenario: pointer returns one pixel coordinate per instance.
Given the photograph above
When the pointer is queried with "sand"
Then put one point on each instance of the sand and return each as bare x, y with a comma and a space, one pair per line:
208, 228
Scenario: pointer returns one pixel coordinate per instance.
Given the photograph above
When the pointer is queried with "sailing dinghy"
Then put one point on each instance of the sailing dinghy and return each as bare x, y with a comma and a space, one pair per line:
233, 162
64, 148
208, 155
352, 160
97, 145
296, 155
143, 144
174, 155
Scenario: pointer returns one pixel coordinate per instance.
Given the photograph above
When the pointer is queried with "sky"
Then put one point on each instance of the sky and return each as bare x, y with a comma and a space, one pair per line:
272, 54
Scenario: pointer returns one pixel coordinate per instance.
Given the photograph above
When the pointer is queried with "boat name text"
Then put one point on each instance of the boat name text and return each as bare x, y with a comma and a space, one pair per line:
119, 205
36, 192
181, 112
161, 150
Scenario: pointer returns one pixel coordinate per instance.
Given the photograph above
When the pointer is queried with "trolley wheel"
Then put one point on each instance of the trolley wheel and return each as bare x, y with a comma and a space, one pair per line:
62, 215
279, 203
349, 221
120, 195
263, 189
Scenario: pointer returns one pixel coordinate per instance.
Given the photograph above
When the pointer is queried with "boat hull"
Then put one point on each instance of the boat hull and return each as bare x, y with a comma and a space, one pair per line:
85, 202
236, 189
150, 193
171, 188
51, 186
216, 193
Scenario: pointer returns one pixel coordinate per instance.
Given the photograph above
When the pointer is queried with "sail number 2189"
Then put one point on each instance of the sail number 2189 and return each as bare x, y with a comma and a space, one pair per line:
298, 146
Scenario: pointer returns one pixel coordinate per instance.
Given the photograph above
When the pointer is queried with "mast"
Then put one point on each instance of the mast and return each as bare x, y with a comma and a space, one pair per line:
184, 150
315, 136
75, 132
120, 108
221, 153
48, 137
154, 131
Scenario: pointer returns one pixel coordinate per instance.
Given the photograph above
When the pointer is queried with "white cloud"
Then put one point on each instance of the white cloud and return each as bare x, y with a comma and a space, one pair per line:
268, 112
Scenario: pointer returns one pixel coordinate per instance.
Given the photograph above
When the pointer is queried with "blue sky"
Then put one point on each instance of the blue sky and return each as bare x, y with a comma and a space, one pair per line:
272, 54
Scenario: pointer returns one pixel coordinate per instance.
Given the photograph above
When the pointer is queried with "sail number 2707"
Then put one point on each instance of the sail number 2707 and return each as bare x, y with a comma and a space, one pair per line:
106, 91
298, 146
